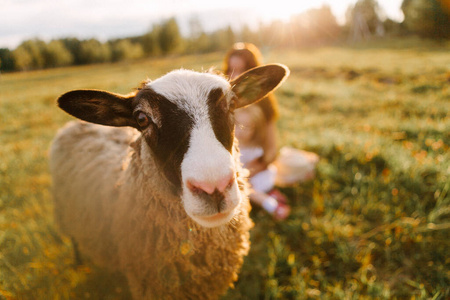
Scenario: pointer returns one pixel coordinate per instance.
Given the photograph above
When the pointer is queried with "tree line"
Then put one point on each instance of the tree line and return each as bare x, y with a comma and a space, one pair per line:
425, 18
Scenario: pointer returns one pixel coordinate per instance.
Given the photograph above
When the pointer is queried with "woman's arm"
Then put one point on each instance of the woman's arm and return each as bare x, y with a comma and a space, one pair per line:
270, 148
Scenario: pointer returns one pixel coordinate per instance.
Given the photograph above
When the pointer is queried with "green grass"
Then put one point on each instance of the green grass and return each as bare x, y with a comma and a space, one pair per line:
375, 223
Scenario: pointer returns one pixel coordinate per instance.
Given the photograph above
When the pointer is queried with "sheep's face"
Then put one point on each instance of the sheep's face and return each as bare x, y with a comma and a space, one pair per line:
186, 119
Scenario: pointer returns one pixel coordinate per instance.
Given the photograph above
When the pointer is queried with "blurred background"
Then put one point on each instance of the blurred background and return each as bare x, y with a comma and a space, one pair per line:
368, 92
44, 34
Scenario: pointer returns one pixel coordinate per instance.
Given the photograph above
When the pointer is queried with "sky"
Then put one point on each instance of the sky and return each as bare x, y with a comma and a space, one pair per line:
106, 19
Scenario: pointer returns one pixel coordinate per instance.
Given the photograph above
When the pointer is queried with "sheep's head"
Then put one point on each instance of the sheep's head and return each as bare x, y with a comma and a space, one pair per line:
186, 119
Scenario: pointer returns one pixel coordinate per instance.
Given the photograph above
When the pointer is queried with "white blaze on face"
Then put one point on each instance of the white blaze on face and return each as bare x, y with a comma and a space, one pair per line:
206, 160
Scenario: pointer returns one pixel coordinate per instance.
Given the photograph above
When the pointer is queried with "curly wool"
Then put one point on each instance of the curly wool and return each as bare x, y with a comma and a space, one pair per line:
110, 197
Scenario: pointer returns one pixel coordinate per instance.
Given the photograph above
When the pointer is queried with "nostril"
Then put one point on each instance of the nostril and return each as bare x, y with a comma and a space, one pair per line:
225, 182
200, 187
208, 187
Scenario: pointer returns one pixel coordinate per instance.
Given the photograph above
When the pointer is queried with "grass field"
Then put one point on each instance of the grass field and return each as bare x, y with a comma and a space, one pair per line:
375, 222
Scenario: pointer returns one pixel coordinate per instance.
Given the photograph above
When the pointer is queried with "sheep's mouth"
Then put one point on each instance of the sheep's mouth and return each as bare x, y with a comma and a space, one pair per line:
212, 210
214, 217
214, 220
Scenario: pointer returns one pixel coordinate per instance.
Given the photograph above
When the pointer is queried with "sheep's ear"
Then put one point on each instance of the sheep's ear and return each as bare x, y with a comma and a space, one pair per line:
99, 107
256, 83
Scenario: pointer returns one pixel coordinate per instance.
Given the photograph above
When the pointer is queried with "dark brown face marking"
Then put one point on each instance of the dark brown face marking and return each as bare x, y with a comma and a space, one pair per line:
169, 142
169, 139
220, 116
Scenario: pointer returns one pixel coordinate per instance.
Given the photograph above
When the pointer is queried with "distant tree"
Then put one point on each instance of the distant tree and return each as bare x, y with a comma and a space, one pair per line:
222, 39
22, 59
247, 35
169, 37
7, 63
275, 34
150, 43
204, 43
322, 25
30, 55
427, 18
392, 27
370, 10
56, 55
125, 50
195, 27
229, 37
198, 41
314, 27
74, 47
363, 19
93, 51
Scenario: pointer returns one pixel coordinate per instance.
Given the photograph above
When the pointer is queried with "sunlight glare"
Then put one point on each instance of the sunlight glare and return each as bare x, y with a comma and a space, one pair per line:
283, 10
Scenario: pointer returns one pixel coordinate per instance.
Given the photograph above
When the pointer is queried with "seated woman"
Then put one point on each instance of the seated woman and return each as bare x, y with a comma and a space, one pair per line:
256, 132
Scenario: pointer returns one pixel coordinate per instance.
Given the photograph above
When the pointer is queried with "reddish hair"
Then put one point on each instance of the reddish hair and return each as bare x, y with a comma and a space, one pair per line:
252, 57
248, 52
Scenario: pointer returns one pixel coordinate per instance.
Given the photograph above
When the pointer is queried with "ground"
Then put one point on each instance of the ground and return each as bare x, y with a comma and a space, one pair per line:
374, 223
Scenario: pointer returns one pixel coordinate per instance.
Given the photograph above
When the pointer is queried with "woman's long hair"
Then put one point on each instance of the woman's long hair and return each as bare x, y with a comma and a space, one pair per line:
252, 57
249, 53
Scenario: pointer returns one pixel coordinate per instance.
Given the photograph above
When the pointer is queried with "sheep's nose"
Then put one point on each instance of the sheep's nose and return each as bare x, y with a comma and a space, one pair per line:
209, 186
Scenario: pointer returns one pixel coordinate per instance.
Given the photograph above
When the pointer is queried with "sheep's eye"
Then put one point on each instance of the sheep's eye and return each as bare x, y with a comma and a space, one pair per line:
142, 120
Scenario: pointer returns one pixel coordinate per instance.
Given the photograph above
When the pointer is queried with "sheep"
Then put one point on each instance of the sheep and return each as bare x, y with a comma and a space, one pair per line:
159, 193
